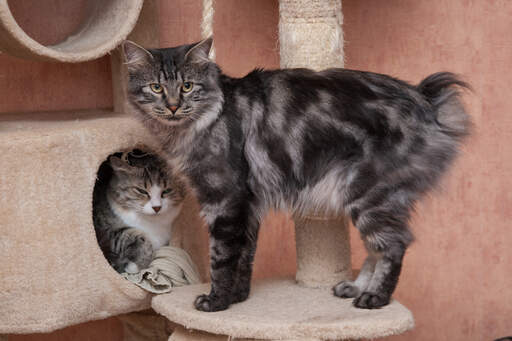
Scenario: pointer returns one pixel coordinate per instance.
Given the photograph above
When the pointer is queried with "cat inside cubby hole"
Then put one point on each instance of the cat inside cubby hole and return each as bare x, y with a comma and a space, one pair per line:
136, 199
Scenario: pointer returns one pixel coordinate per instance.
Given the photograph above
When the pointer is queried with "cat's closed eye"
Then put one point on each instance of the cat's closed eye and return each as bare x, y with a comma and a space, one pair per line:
156, 88
187, 86
140, 191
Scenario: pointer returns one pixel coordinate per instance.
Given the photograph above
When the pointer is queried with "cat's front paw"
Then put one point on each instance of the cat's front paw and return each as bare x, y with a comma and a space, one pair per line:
210, 303
131, 268
371, 300
142, 252
240, 296
345, 289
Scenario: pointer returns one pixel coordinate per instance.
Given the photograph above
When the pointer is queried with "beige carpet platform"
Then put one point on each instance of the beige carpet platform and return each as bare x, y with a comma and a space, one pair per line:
281, 309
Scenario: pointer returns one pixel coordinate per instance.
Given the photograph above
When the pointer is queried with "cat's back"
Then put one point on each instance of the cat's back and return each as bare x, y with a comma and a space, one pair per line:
355, 84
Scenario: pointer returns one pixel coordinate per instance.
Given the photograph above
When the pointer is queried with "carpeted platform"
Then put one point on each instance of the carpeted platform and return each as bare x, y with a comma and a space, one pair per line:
281, 309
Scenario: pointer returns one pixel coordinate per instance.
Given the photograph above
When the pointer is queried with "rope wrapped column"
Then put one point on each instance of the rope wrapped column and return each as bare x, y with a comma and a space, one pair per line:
207, 24
311, 36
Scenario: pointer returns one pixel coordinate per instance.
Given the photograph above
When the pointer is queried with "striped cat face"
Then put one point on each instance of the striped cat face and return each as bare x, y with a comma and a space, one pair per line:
145, 188
173, 86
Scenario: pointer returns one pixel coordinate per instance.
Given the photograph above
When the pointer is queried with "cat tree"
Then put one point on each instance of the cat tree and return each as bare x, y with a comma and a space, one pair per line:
310, 35
53, 272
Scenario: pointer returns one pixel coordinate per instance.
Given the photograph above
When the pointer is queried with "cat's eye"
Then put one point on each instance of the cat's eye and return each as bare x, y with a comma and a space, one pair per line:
141, 191
187, 86
167, 191
156, 88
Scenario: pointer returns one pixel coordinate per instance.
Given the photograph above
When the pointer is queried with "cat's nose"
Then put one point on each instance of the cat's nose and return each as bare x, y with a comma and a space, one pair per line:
157, 208
173, 108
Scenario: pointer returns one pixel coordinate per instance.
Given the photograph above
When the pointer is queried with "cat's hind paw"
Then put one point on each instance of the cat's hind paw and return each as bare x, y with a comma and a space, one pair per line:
370, 300
210, 303
345, 289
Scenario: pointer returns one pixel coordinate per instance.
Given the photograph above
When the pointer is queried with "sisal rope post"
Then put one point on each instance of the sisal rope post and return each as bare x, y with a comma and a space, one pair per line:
207, 24
311, 36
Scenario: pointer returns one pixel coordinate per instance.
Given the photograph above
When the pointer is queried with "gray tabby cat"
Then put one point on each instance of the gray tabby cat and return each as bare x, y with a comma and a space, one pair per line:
336, 141
134, 209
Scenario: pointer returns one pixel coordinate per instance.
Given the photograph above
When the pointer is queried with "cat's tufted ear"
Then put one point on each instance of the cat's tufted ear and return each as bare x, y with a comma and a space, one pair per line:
120, 165
135, 55
200, 51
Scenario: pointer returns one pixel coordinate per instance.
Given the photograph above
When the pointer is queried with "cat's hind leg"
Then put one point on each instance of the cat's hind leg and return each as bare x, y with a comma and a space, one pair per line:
381, 215
351, 289
386, 235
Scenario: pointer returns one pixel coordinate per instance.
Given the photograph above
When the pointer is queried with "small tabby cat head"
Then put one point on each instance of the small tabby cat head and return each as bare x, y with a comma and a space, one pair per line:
174, 86
144, 184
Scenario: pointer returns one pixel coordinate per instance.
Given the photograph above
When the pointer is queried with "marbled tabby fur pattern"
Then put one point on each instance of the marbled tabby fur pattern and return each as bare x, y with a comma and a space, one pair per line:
131, 212
338, 141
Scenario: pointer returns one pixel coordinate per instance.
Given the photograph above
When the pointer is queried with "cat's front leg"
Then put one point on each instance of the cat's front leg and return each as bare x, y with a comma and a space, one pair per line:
232, 245
245, 263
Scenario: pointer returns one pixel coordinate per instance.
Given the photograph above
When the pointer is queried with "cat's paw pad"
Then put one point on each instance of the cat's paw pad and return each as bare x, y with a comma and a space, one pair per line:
210, 303
370, 300
345, 289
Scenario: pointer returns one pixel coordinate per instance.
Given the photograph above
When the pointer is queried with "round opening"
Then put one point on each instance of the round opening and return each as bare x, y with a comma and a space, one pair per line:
68, 31
59, 18
136, 199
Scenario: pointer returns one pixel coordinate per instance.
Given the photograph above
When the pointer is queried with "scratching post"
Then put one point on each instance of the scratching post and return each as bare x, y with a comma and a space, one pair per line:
207, 24
310, 35
323, 251
303, 308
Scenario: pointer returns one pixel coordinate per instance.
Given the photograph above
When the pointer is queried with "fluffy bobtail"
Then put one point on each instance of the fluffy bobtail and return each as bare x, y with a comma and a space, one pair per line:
442, 90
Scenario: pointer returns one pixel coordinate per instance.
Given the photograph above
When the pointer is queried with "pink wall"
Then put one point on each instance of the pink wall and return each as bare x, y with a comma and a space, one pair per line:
457, 277
37, 86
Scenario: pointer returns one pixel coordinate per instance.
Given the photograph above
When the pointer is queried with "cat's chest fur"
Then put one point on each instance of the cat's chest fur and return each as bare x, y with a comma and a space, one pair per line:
157, 228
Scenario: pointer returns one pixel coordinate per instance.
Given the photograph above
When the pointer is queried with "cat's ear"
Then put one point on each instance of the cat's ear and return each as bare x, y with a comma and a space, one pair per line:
200, 51
135, 55
120, 165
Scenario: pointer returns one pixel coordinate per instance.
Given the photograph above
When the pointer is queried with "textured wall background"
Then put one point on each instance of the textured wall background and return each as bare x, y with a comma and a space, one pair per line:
457, 275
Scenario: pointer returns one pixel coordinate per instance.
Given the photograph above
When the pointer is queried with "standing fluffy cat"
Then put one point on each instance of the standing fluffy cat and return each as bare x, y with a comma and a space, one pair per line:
134, 209
332, 141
